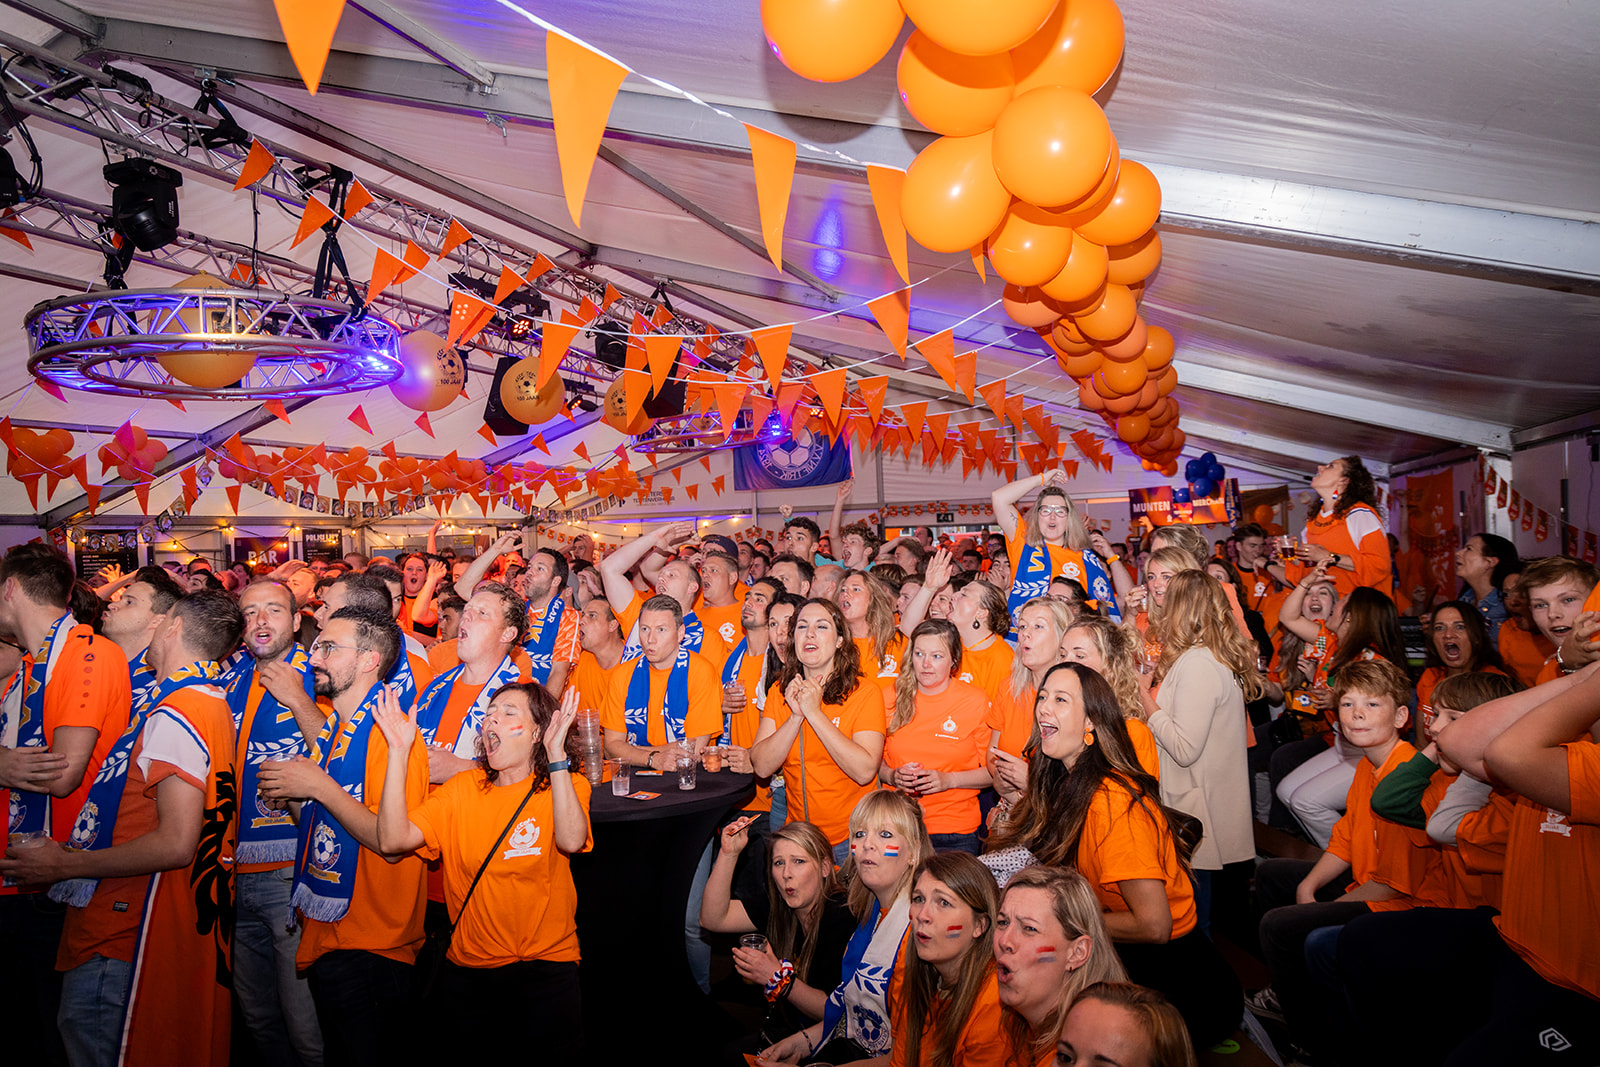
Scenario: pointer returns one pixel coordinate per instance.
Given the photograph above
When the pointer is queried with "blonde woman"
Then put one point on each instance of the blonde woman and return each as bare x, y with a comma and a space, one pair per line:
1040, 625
868, 608
1104, 647
1206, 673
1051, 541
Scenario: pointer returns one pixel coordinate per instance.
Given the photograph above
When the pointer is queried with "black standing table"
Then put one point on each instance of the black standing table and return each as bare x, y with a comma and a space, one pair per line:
632, 891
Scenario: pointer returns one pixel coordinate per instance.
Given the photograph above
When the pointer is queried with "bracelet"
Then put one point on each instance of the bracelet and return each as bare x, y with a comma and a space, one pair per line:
1334, 559
781, 982
559, 765
1113, 559
1562, 663
650, 760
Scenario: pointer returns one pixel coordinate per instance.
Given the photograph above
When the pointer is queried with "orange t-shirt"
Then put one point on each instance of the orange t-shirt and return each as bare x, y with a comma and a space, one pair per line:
1430, 681
723, 620
948, 732
817, 789
89, 687
1524, 652
1549, 672
442, 657
712, 647
882, 671
1144, 746
1376, 849
990, 668
1263, 594
592, 681
1123, 842
1013, 717
1373, 565
524, 907
744, 725
701, 718
1481, 852
388, 899
983, 1039
417, 657
1547, 911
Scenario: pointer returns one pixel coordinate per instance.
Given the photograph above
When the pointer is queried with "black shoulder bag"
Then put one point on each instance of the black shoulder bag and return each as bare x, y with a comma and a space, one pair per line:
430, 960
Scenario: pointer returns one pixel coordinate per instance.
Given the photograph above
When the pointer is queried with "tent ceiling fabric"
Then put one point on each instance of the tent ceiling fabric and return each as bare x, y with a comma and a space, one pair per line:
1293, 345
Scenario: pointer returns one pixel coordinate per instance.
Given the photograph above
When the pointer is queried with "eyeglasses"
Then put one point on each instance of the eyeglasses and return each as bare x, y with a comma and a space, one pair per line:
1052, 509
328, 648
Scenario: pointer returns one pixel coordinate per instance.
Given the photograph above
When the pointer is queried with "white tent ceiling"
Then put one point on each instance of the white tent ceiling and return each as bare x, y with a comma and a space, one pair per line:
1378, 223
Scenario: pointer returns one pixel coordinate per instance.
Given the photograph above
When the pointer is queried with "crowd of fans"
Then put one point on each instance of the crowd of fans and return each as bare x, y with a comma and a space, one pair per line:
1010, 797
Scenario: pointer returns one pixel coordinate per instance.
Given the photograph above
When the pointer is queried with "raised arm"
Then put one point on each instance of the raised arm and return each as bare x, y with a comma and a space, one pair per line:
615, 567
1530, 756
484, 563
423, 612
1290, 615
396, 832
835, 538
718, 910
433, 538
934, 578
571, 821
1465, 741
1005, 498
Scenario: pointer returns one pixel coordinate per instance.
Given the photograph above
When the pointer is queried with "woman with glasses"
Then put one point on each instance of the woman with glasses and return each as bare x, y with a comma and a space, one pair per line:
1052, 541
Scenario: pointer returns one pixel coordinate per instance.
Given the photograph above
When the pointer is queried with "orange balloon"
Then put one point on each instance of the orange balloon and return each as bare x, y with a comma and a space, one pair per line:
1133, 428
1119, 379
1078, 47
1130, 345
1149, 395
1167, 381
1163, 412
432, 374
978, 27
1122, 405
1263, 514
1135, 261
1088, 399
1027, 307
206, 368
1083, 366
1029, 246
614, 411
1052, 146
952, 199
522, 398
1131, 211
1160, 438
831, 40
1113, 318
1083, 273
951, 93
1158, 350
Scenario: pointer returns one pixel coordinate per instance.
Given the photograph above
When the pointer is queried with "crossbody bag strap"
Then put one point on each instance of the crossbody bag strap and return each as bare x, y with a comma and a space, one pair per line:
504, 830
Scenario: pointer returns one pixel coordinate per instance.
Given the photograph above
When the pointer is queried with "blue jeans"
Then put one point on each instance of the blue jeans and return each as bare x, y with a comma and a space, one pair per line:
969, 843
275, 1002
841, 852
94, 1005
695, 946
780, 804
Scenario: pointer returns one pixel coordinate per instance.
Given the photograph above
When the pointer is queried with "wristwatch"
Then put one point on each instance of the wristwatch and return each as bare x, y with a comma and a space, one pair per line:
1334, 559
559, 765
650, 760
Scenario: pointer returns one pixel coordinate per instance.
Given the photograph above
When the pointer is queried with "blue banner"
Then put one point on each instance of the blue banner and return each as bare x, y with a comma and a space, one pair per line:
791, 462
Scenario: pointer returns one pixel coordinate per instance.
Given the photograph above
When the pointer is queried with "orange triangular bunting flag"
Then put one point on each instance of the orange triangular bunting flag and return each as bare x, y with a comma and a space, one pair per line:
893, 312
718, 482
359, 417
541, 445
55, 390
693, 491
582, 449
487, 434
582, 86
773, 158
611, 296
829, 385
316, 215
415, 259
424, 425
940, 352
666, 494
966, 365
872, 393
705, 461
994, 394
885, 184
553, 348
541, 267
454, 237
510, 282
16, 235
256, 165
914, 415
636, 389
773, 344
356, 199
661, 349
276, 407
308, 28
939, 427
231, 490
385, 269
730, 397
466, 311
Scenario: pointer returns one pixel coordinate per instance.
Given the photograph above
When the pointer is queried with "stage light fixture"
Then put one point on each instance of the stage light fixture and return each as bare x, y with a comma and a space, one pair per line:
521, 328
144, 202
10, 181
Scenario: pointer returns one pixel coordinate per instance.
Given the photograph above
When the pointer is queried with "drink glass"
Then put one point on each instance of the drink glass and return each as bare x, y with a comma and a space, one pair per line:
621, 776
758, 942
687, 766
18, 841
711, 756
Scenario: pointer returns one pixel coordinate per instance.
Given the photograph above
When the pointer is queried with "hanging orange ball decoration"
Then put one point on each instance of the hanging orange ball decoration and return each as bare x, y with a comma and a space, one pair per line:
1052, 146
952, 198
978, 27
215, 368
950, 93
522, 398
831, 40
432, 374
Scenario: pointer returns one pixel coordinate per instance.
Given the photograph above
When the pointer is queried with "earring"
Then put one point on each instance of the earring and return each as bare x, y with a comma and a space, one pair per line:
1088, 738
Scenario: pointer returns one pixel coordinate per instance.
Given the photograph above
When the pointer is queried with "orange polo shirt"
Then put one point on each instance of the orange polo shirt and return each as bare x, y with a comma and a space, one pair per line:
816, 788
1376, 849
948, 732
1123, 841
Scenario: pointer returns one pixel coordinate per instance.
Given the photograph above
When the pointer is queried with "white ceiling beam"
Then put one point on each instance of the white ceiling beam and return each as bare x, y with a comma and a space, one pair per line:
1321, 400
1519, 246
415, 33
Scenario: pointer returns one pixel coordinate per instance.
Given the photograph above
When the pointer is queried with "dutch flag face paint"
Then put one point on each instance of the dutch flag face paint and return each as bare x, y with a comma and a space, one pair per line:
954, 931
891, 851
1046, 953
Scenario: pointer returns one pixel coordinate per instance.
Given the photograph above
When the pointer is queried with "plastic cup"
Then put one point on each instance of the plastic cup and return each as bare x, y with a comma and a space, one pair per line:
687, 766
621, 774
711, 757
18, 841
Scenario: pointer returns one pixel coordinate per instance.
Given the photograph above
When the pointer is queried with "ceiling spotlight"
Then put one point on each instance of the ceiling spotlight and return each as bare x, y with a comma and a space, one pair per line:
521, 328
144, 202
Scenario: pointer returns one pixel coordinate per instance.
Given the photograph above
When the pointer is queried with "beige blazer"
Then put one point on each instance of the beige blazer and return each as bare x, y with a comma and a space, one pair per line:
1199, 725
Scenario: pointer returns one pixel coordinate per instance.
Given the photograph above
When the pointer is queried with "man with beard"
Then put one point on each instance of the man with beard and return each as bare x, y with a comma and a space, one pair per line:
133, 618
145, 956
378, 589
551, 626
361, 914
603, 645
271, 697
719, 607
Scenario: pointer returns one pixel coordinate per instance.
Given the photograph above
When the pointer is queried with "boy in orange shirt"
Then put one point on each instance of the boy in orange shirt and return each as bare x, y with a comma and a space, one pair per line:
1298, 897
1557, 589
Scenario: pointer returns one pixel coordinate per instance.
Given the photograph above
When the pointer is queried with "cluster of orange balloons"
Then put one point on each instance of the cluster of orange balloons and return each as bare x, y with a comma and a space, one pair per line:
1027, 170
134, 454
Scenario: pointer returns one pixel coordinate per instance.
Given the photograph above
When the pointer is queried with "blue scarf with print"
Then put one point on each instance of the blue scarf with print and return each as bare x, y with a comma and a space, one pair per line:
434, 699
636, 713
30, 812
541, 643
270, 732
325, 872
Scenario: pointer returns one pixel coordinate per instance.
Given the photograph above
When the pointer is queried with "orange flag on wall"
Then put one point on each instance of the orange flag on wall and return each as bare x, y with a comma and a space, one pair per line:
893, 312
583, 85
256, 165
313, 218
772, 342
308, 28
772, 158
885, 184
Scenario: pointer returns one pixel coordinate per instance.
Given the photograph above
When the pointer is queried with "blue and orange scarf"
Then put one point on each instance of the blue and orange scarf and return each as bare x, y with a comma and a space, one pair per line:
270, 732
674, 709
434, 700
24, 699
325, 871
541, 641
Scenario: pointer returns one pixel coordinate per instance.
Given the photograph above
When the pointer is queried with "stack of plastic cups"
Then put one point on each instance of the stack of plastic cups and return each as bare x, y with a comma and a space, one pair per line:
587, 729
